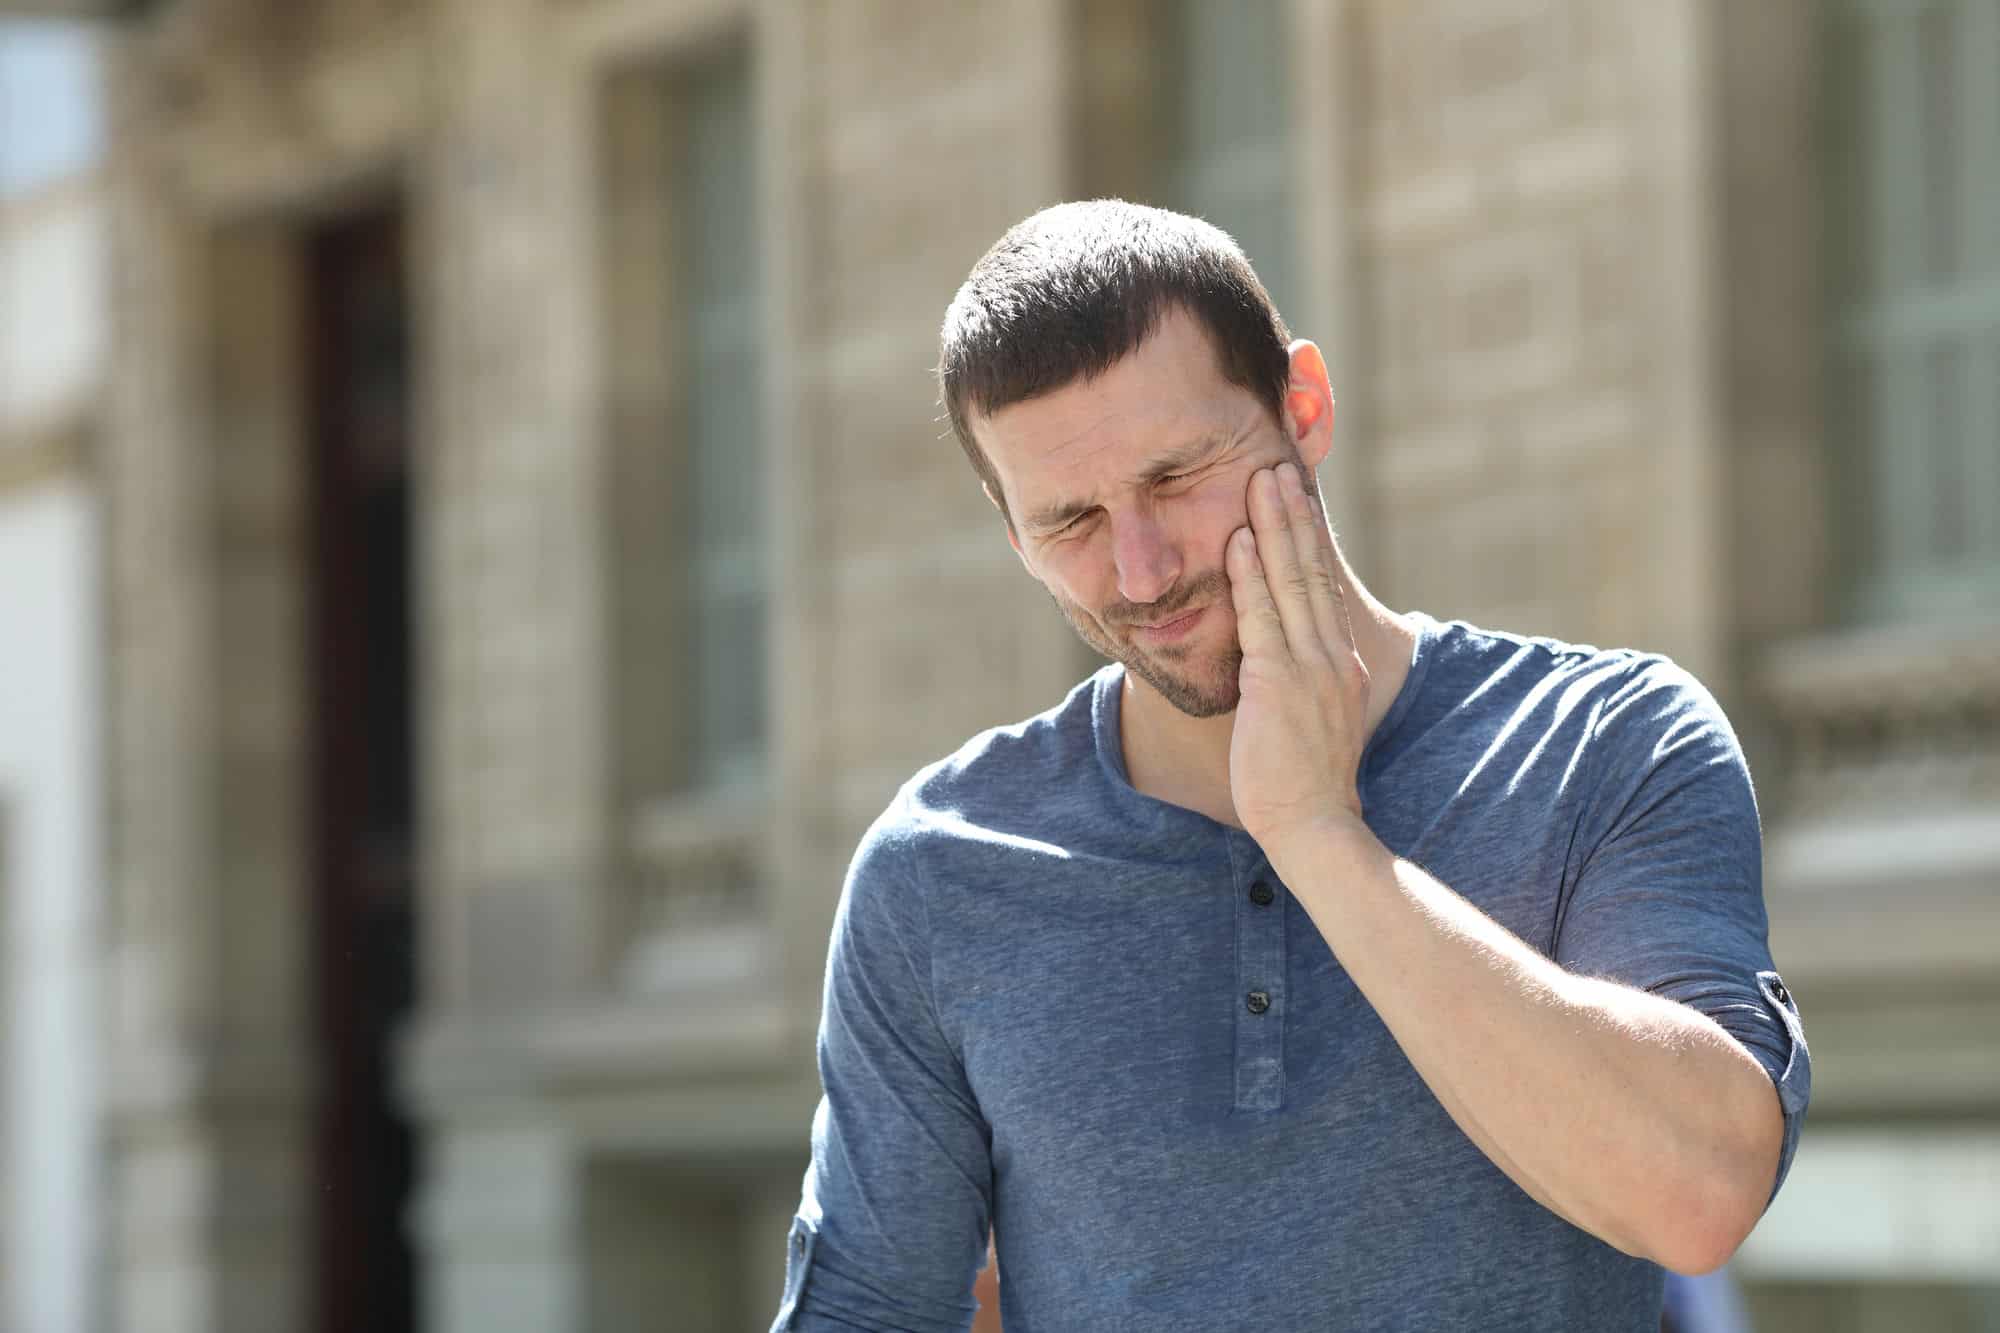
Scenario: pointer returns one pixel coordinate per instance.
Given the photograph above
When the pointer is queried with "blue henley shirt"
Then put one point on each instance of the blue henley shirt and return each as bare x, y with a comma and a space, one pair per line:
1100, 1025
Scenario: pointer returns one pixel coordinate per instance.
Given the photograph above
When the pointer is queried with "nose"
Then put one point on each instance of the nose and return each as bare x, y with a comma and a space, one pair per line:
1148, 562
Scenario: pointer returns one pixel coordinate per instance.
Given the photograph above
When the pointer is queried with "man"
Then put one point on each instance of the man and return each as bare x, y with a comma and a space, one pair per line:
1314, 965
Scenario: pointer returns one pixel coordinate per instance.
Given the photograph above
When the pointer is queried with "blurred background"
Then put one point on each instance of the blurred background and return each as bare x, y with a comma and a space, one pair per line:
478, 542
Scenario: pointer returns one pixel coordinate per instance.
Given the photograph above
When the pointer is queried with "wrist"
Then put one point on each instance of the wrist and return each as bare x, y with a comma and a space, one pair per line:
1335, 839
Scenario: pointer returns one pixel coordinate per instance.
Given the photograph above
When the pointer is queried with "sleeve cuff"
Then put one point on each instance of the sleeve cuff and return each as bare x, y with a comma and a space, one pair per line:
1794, 1080
798, 1262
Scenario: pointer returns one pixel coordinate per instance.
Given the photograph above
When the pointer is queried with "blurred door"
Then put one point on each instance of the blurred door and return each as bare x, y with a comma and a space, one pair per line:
358, 397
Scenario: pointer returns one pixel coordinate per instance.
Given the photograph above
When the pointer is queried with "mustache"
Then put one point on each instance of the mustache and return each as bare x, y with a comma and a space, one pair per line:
1177, 598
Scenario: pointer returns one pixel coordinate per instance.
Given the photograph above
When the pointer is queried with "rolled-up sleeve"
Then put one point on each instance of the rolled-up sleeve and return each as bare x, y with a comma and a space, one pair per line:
1669, 898
892, 1226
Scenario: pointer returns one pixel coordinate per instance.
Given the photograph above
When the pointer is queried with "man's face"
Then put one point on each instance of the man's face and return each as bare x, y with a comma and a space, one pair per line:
1124, 490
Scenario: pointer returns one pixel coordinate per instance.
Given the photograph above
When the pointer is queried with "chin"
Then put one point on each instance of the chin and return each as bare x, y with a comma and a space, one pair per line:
1212, 693
1210, 704
1214, 696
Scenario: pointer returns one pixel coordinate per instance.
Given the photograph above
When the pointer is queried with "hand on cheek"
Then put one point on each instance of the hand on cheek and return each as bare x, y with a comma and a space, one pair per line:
1296, 746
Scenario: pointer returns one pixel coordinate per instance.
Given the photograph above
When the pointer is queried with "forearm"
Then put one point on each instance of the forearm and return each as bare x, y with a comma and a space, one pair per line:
1632, 1116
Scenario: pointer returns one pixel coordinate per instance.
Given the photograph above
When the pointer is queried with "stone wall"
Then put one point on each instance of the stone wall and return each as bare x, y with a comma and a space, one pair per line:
1511, 215
1529, 201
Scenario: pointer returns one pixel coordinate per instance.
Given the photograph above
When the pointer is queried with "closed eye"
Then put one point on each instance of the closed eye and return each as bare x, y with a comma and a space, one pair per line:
1070, 526
1168, 479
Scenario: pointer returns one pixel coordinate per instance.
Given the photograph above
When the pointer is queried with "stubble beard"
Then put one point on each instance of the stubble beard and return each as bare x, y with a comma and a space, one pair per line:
1198, 681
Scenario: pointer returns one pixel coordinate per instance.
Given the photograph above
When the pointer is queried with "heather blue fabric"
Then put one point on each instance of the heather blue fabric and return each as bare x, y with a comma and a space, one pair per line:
1037, 1016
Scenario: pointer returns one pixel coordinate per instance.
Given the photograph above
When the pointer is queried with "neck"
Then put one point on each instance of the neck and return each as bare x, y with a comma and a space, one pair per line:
1185, 760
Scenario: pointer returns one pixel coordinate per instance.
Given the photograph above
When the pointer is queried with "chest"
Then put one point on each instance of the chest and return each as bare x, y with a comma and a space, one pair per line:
1187, 995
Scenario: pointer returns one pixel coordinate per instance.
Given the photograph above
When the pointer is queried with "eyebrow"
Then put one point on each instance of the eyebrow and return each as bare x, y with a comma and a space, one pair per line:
1059, 513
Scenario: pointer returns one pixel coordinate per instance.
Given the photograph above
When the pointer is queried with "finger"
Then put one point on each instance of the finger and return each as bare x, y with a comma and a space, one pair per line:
1330, 554
1316, 563
1258, 631
1283, 572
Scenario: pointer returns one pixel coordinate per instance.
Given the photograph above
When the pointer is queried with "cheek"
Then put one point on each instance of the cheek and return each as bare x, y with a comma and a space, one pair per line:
1078, 571
1216, 511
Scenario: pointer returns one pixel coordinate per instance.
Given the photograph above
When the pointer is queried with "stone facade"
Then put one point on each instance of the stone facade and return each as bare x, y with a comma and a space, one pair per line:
1569, 330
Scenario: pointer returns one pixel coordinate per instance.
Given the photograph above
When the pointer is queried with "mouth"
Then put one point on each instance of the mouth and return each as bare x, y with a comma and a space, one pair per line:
1168, 630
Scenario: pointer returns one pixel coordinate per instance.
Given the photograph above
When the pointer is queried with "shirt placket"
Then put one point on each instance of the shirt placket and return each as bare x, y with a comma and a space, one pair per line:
1260, 1000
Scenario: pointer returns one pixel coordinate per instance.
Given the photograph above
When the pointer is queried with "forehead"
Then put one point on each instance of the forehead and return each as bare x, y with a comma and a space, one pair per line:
1167, 392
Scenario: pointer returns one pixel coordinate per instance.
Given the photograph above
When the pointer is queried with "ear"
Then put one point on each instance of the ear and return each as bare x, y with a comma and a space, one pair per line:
1013, 539
1309, 403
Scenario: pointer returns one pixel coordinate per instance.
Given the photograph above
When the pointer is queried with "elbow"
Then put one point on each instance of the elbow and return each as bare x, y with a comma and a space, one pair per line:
1699, 1250
1721, 1200
1699, 1229
1689, 1229
1713, 1215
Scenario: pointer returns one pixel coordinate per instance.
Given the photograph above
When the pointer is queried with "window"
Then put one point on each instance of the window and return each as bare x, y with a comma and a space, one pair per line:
1186, 104
1912, 98
1228, 131
49, 126
727, 565
689, 565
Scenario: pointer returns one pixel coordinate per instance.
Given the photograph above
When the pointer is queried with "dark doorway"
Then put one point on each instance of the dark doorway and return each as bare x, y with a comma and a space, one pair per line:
358, 401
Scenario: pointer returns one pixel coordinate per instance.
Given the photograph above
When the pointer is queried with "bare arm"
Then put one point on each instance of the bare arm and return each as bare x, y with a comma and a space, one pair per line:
1632, 1116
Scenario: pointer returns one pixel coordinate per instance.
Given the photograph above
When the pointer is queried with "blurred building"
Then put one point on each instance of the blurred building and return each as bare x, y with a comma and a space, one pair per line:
535, 553
53, 341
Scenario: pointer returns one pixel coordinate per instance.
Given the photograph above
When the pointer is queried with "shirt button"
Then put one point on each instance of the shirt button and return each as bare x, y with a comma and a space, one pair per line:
1778, 989
1260, 894
1258, 1001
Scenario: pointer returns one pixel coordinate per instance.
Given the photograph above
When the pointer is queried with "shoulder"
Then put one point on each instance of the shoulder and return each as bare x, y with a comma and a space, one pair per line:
979, 788
1642, 726
1003, 769
1655, 708
1521, 705
1502, 658
1618, 688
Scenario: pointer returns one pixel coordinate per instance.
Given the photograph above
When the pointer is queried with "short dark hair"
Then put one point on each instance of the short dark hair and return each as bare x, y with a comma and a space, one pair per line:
1070, 291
